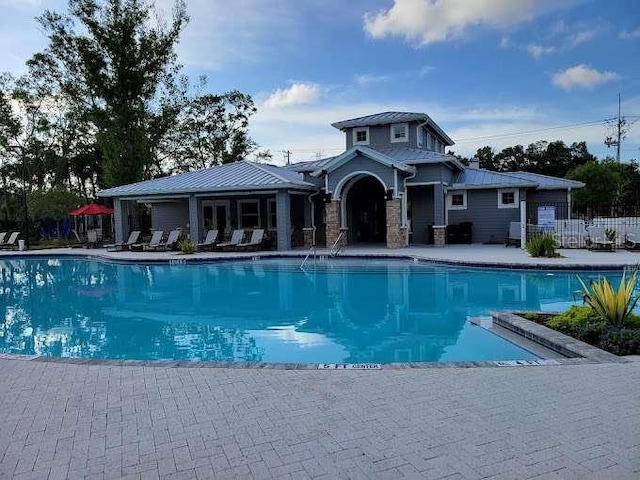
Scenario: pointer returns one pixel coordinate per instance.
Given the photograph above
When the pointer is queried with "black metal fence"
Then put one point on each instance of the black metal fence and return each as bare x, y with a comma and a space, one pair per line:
573, 226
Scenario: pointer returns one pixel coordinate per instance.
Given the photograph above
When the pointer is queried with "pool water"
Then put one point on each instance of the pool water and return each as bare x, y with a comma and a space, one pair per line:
343, 310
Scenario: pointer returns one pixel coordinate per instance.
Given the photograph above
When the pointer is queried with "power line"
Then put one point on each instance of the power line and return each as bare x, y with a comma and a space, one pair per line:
538, 130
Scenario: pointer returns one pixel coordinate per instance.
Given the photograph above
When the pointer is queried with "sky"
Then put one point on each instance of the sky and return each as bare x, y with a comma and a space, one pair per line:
489, 72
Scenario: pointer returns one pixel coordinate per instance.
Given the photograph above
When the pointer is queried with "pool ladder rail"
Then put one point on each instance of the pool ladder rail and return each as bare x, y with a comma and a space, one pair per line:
312, 251
337, 245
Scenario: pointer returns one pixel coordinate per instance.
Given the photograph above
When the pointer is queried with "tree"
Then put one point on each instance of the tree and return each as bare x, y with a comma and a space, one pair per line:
111, 59
602, 182
486, 157
53, 204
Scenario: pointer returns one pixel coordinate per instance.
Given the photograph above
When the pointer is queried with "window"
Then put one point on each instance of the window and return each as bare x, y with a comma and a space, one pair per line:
457, 200
248, 214
508, 198
361, 136
272, 215
400, 132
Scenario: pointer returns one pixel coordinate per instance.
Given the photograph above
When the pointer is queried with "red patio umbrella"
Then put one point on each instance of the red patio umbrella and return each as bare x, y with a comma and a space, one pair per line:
91, 209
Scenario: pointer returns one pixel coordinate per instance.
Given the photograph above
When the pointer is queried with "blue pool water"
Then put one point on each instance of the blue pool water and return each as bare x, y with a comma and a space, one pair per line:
348, 311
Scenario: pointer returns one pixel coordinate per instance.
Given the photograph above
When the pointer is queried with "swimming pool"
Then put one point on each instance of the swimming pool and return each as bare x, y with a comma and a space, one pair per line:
341, 311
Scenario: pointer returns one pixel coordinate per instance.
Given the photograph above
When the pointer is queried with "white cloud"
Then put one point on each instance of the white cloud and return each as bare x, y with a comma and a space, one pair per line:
296, 94
584, 36
426, 70
536, 51
582, 76
368, 78
632, 35
429, 21
505, 41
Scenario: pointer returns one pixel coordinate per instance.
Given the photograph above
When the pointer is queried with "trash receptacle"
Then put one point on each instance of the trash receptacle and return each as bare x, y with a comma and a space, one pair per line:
21, 245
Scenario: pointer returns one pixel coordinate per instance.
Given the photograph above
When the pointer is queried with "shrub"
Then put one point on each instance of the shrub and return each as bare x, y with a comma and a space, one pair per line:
573, 319
610, 233
543, 245
187, 247
613, 307
621, 342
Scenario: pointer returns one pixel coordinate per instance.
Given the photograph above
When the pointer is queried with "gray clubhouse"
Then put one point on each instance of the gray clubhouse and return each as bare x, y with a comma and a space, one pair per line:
393, 185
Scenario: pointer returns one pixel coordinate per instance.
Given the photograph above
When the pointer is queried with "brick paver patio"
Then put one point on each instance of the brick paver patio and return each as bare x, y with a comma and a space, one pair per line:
65, 420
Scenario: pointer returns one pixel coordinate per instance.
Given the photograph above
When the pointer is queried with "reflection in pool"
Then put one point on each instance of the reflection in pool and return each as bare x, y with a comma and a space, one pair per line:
266, 311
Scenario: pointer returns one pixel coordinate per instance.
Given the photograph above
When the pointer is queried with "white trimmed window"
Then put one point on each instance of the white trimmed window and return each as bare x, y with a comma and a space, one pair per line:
272, 214
248, 213
399, 132
508, 198
361, 136
457, 200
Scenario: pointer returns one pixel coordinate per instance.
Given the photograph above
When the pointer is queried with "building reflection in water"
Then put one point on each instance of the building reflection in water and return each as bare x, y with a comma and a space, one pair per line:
256, 311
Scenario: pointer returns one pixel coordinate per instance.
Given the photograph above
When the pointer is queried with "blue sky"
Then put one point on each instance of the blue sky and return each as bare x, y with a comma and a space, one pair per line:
485, 70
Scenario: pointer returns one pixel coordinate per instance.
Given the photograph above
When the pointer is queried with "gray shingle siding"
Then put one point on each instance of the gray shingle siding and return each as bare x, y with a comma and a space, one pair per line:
361, 164
490, 223
432, 173
421, 212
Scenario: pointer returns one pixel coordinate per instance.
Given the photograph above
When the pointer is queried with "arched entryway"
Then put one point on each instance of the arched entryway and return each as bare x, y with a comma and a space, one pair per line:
365, 210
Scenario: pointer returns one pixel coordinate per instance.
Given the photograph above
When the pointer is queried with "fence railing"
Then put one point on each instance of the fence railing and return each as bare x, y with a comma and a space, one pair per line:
570, 224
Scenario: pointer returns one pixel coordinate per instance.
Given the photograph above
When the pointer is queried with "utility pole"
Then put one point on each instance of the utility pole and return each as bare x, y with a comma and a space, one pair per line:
287, 156
610, 141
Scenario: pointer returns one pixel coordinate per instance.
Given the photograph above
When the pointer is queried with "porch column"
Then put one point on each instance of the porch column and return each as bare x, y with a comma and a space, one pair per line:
438, 205
396, 232
194, 219
283, 214
333, 222
121, 219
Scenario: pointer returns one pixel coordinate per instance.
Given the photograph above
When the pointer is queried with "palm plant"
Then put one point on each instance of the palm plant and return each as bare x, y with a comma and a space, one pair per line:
614, 307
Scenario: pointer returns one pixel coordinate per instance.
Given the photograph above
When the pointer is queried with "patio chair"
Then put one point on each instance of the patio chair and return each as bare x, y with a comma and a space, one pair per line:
11, 242
597, 239
254, 243
514, 236
209, 241
156, 239
632, 238
2, 237
134, 236
236, 238
172, 240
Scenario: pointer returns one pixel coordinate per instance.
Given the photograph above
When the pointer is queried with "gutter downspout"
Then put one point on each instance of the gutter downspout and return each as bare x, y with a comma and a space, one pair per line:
418, 127
405, 195
313, 218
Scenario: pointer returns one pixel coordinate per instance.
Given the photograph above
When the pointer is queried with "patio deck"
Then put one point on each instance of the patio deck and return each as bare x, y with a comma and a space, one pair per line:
78, 420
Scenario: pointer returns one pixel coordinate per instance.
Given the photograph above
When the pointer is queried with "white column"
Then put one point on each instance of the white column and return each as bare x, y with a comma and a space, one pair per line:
283, 214
194, 219
523, 224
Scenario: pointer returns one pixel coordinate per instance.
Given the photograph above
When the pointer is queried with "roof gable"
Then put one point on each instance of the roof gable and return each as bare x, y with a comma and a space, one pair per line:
353, 152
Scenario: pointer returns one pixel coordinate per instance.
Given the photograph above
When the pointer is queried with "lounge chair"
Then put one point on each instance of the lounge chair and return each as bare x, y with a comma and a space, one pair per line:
172, 240
254, 243
236, 238
156, 239
209, 240
134, 236
11, 242
597, 239
2, 237
514, 235
632, 238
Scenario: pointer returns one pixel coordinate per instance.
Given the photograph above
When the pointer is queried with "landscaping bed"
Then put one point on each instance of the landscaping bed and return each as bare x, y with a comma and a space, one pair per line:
582, 323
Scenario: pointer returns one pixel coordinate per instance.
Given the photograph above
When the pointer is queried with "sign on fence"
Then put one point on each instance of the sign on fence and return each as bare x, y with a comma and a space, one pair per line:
546, 218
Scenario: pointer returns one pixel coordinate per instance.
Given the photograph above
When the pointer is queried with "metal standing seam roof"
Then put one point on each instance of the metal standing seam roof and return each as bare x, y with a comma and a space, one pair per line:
392, 117
479, 178
309, 166
413, 156
375, 155
548, 182
241, 175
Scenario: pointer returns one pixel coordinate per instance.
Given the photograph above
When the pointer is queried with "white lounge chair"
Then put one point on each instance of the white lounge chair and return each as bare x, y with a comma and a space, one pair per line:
172, 240
632, 238
254, 243
236, 238
134, 236
514, 236
598, 240
156, 239
2, 237
11, 242
209, 241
